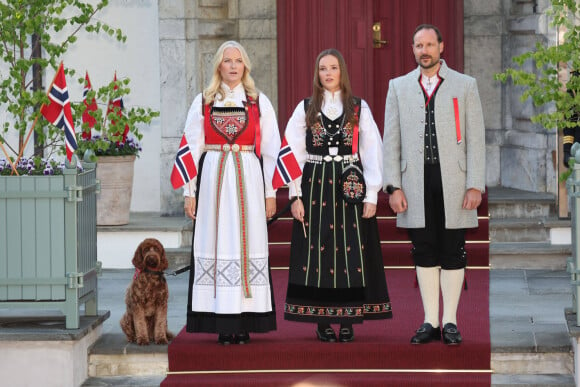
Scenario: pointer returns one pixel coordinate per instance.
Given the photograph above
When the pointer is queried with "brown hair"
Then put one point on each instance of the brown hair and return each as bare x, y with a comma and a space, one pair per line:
315, 105
427, 27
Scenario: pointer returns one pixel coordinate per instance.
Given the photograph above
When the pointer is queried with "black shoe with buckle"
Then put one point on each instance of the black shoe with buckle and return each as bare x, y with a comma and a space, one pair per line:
225, 339
346, 334
242, 338
326, 335
451, 335
425, 334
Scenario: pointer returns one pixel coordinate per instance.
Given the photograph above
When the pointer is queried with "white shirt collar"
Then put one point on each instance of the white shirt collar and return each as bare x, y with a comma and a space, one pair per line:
332, 104
233, 97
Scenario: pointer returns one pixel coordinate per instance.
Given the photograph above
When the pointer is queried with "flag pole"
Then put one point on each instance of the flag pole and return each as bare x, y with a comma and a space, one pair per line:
8, 158
36, 119
298, 198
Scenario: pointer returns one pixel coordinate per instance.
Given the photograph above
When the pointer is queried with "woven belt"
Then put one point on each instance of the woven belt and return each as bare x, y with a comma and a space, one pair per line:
329, 158
228, 147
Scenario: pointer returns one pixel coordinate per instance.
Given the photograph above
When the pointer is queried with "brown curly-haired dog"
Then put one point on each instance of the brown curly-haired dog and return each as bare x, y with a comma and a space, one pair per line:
147, 295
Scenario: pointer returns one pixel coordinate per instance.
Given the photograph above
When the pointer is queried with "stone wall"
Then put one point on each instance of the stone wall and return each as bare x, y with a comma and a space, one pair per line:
483, 28
190, 33
527, 151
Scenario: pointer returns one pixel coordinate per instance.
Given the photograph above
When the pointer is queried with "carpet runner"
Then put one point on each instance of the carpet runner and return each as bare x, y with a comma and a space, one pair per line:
380, 355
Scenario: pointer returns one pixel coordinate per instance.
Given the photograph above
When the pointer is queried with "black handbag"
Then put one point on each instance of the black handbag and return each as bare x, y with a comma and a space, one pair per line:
352, 184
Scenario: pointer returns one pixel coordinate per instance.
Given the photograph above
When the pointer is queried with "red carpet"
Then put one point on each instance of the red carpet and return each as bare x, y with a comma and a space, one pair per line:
381, 348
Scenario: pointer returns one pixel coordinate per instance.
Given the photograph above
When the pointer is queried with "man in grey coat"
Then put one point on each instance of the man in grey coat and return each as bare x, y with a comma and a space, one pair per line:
434, 171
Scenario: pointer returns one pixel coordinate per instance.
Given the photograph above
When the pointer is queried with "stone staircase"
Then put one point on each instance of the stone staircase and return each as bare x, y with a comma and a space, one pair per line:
524, 233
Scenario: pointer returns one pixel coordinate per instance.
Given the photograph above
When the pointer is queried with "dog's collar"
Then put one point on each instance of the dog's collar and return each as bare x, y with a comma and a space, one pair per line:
139, 271
153, 271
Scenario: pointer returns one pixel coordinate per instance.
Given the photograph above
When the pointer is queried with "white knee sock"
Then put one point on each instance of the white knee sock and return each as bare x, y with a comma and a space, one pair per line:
451, 285
428, 278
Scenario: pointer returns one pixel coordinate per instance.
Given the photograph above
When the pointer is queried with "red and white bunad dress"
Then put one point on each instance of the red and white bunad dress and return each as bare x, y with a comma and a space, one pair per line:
230, 288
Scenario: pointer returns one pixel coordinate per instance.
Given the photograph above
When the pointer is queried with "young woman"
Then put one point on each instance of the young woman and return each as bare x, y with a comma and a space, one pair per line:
336, 270
232, 131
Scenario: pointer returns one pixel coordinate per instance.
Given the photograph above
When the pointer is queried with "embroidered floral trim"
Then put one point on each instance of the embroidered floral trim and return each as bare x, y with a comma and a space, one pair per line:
322, 310
317, 134
229, 124
377, 308
348, 131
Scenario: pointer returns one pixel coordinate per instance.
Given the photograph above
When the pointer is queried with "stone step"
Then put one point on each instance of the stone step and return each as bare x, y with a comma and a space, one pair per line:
141, 381
512, 203
512, 380
528, 230
528, 255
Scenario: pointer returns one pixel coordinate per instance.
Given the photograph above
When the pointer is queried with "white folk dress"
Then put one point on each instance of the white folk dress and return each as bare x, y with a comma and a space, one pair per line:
230, 282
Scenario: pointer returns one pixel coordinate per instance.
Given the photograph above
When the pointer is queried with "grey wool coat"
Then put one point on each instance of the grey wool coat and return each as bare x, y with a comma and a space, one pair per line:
462, 164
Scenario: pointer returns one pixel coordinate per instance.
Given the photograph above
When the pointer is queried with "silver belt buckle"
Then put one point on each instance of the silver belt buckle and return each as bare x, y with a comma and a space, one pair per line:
235, 148
226, 147
338, 158
327, 158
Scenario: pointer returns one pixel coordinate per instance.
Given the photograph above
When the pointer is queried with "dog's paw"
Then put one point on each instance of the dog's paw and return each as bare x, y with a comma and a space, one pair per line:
161, 341
142, 341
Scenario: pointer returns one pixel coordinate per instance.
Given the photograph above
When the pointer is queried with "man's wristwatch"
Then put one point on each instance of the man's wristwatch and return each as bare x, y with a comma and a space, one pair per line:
391, 189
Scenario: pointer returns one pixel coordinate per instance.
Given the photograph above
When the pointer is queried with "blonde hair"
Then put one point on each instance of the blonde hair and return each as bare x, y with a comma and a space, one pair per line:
214, 89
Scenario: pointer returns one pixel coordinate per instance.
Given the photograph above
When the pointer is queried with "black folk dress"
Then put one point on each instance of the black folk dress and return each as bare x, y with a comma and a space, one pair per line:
336, 272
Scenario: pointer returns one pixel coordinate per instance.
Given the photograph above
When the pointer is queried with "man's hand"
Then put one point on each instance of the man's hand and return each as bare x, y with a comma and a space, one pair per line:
398, 201
189, 207
270, 207
472, 199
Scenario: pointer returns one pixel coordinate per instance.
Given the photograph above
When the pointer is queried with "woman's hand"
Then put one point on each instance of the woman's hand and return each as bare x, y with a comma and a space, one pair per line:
369, 210
189, 206
297, 210
270, 207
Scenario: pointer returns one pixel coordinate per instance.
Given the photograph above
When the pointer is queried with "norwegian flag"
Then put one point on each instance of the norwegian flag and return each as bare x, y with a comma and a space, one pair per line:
184, 167
58, 111
287, 168
118, 106
90, 106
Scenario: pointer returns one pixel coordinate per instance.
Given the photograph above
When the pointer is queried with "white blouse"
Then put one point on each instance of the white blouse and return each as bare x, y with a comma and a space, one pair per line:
370, 143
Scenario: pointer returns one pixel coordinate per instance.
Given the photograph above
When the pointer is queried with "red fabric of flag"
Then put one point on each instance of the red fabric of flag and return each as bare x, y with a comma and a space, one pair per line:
287, 167
184, 167
116, 104
90, 106
58, 111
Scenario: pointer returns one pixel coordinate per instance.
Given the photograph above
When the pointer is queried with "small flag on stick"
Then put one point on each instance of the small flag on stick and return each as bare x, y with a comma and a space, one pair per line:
58, 111
184, 167
116, 105
90, 106
287, 168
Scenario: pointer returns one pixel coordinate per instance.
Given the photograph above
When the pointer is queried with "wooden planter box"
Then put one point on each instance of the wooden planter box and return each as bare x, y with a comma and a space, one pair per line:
48, 243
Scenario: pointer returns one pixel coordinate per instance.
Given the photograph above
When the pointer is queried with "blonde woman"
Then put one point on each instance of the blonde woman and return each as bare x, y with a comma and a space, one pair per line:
232, 131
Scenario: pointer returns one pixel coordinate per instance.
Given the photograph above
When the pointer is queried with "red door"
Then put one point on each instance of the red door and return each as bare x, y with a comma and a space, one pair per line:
306, 27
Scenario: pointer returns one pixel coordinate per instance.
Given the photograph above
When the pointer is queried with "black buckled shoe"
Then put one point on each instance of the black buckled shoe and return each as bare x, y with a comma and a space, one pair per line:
326, 335
242, 338
451, 335
425, 334
346, 334
225, 339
